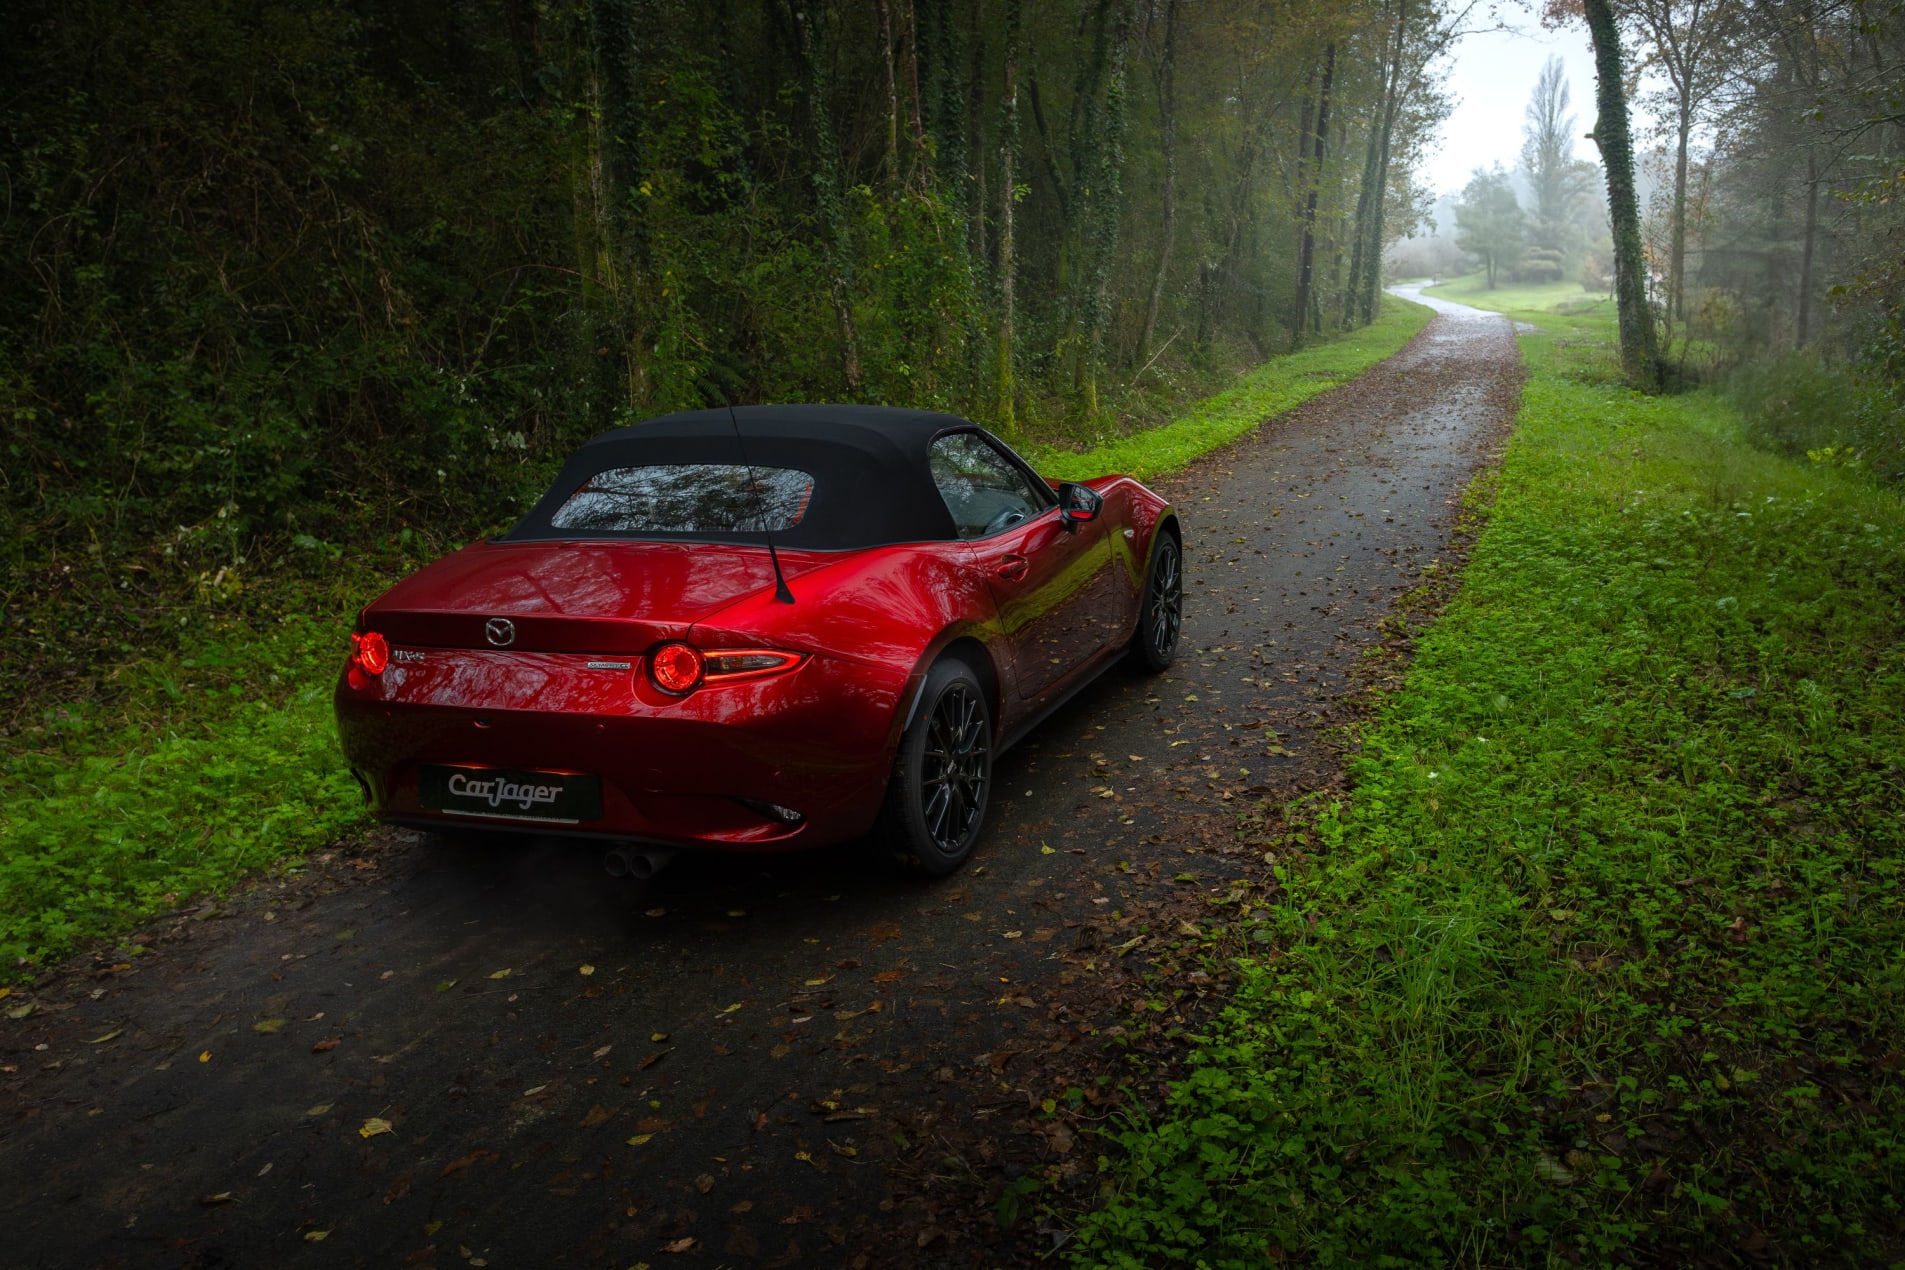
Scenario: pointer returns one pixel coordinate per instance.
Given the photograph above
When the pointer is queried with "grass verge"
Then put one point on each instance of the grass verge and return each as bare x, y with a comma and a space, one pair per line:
185, 771
1280, 384
1601, 960
1472, 289
194, 770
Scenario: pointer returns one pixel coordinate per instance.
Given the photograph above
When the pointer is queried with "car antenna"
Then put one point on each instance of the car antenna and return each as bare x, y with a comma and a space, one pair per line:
781, 593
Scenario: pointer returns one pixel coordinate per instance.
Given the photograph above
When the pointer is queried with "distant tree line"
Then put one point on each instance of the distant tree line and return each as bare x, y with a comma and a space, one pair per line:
273, 268
1776, 223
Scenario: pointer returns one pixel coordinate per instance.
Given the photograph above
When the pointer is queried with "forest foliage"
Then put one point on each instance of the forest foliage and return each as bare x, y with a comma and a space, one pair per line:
281, 278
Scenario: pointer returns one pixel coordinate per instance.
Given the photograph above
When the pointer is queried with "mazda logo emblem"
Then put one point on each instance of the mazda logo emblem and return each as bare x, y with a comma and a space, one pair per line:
500, 631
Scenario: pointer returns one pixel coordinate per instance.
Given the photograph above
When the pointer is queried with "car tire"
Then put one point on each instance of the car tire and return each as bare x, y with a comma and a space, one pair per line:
1161, 611
942, 776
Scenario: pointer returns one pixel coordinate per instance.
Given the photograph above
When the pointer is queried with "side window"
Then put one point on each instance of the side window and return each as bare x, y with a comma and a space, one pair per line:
985, 491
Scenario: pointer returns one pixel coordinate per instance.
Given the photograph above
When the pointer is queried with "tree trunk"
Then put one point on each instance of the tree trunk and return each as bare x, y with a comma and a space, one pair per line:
827, 196
1106, 207
1640, 354
1306, 252
1369, 195
920, 175
1206, 284
1803, 323
1353, 292
1676, 310
1167, 119
1008, 178
976, 112
1059, 194
620, 262
1379, 210
892, 158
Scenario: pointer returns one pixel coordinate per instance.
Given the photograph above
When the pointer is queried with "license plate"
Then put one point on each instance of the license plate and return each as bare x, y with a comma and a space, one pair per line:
503, 793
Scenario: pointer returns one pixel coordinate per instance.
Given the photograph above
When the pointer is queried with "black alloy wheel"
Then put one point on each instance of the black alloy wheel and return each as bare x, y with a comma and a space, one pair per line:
936, 801
1161, 617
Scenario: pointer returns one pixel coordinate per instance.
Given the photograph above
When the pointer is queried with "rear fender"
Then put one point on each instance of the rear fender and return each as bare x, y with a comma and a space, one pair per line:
893, 610
966, 642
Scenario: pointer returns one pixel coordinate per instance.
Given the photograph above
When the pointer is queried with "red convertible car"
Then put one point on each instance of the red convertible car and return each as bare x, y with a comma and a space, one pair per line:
755, 630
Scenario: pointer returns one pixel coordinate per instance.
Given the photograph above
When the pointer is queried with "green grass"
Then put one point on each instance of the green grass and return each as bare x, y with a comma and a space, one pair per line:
181, 773
1601, 959
1472, 289
1280, 384
194, 771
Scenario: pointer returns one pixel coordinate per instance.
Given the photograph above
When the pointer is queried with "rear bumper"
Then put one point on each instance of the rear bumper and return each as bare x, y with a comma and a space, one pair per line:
673, 770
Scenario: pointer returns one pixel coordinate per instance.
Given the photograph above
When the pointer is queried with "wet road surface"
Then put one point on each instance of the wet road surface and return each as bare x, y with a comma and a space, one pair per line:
419, 1052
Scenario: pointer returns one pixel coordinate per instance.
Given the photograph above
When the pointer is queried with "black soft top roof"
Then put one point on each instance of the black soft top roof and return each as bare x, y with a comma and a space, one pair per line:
872, 484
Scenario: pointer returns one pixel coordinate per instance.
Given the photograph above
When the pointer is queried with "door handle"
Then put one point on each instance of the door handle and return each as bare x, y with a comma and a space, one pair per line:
1014, 566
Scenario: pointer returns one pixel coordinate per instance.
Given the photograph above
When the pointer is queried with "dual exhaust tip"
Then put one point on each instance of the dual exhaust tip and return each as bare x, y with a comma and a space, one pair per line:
633, 860
640, 863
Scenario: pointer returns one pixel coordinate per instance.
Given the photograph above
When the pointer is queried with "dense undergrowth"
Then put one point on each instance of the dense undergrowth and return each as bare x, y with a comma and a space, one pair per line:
194, 744
1600, 962
1804, 407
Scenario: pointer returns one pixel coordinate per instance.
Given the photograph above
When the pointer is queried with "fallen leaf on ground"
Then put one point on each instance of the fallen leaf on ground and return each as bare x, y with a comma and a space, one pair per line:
316, 1236
585, 969
374, 1126
603, 1052
318, 1110
223, 1197
500, 974
705, 1183
446, 985
685, 1244
465, 1161
597, 1114
101, 1040
639, 1139
324, 1046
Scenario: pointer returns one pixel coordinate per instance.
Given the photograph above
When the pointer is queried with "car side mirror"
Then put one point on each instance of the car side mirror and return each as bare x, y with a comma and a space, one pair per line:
1078, 504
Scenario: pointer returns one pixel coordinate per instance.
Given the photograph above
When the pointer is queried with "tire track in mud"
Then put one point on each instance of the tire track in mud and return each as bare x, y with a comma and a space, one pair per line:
742, 1062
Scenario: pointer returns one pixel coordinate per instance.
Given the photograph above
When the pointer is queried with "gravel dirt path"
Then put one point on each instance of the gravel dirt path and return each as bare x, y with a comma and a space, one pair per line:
417, 1053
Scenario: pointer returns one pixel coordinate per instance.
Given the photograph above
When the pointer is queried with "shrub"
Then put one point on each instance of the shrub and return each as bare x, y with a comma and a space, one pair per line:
1801, 405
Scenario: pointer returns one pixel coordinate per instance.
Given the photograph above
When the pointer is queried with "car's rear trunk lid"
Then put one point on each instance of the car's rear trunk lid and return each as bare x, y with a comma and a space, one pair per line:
568, 597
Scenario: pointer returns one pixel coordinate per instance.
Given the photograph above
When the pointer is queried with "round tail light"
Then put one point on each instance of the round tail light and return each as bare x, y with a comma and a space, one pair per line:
372, 652
675, 668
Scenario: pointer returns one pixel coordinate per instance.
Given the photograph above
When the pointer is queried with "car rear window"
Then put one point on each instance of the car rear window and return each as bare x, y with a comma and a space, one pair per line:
688, 498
